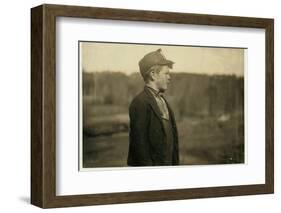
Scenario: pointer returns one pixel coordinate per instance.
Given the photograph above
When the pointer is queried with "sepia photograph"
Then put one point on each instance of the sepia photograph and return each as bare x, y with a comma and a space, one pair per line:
160, 105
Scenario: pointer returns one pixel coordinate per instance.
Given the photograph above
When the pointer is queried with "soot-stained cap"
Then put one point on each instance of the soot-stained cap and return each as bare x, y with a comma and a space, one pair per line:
151, 59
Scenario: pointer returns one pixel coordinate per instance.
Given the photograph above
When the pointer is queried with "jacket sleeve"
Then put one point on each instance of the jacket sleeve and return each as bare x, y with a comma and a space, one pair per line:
139, 150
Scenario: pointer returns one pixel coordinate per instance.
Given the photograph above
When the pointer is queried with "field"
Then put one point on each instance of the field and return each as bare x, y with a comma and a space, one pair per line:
210, 119
201, 141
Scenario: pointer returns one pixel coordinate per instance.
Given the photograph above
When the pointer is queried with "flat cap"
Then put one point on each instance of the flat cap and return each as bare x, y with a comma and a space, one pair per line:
151, 59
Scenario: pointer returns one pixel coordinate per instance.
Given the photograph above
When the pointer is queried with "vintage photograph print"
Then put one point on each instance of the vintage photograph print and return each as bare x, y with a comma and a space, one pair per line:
160, 105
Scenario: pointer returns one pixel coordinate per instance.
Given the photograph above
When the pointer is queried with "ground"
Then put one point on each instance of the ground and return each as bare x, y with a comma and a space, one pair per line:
202, 141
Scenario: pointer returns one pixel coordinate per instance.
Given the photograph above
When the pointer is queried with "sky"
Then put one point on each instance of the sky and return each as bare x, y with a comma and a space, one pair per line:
192, 59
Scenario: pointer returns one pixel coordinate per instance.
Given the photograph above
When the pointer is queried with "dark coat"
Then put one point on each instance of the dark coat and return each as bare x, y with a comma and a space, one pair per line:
147, 136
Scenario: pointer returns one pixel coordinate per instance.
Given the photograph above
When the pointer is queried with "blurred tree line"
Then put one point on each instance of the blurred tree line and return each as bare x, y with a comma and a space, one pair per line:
189, 94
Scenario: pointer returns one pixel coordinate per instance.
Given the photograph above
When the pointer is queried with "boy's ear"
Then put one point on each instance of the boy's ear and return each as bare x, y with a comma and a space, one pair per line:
152, 75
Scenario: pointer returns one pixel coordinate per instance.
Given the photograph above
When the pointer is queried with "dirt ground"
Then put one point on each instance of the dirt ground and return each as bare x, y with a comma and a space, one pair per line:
202, 141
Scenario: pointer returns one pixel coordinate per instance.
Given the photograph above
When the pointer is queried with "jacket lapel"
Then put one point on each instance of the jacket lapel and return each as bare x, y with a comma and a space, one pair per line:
156, 109
153, 103
168, 106
171, 113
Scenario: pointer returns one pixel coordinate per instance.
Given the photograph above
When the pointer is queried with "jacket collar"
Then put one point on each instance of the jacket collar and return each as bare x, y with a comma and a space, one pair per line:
152, 102
154, 105
155, 92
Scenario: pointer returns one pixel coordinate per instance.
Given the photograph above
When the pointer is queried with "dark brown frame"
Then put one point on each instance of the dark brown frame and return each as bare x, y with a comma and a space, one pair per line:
43, 105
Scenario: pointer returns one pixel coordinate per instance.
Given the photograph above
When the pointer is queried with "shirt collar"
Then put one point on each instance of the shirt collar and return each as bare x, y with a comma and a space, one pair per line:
154, 91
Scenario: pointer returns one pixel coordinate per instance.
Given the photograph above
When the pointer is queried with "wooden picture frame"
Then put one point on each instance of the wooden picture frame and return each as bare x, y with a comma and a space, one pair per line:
43, 105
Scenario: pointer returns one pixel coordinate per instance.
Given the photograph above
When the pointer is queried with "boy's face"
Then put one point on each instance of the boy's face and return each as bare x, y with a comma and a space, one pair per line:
162, 78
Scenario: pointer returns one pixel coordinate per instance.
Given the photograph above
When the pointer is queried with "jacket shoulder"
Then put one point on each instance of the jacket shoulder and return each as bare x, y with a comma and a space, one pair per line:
139, 100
